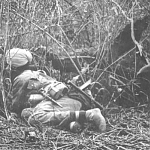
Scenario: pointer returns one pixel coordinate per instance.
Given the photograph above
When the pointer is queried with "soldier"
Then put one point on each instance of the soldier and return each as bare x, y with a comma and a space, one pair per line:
30, 100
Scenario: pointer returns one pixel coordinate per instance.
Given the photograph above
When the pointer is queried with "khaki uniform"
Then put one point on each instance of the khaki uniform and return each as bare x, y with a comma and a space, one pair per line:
40, 110
45, 112
49, 114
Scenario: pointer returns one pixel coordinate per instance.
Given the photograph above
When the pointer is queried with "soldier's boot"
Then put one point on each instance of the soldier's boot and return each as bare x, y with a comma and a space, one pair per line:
94, 116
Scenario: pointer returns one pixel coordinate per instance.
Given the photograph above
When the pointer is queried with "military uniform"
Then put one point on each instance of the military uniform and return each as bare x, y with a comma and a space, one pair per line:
42, 110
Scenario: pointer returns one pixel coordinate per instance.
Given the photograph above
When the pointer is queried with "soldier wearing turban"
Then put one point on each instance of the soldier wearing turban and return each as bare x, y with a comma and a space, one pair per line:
35, 108
17, 57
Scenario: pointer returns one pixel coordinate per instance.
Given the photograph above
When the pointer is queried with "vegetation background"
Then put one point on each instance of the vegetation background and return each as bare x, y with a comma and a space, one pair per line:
68, 28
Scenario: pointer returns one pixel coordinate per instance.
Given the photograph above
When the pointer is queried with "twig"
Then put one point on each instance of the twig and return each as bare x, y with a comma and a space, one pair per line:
114, 63
123, 12
53, 39
20, 34
133, 36
100, 54
132, 26
2, 70
69, 55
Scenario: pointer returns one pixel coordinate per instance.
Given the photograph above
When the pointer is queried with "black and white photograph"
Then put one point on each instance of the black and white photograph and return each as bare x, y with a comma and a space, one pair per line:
74, 74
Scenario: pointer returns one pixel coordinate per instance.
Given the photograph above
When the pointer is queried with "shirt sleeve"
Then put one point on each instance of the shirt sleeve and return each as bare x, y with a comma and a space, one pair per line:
19, 92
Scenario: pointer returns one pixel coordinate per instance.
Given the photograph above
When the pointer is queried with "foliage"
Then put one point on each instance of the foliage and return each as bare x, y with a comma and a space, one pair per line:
68, 27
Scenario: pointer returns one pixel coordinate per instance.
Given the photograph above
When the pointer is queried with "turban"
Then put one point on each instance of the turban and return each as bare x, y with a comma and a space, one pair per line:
17, 57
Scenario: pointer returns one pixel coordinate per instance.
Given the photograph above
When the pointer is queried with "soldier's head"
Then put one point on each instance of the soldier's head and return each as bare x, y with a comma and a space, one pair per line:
18, 58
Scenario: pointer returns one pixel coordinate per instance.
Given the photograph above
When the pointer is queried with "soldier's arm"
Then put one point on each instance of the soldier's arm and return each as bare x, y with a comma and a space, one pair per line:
19, 92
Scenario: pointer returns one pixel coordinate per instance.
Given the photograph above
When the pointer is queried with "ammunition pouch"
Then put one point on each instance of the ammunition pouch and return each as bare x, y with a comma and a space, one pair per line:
34, 99
52, 87
56, 89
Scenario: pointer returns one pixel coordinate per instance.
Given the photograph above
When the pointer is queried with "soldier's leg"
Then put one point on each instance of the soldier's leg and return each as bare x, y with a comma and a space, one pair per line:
48, 114
64, 118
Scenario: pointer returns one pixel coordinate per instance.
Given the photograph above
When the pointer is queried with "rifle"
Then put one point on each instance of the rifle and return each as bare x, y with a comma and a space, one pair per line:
86, 95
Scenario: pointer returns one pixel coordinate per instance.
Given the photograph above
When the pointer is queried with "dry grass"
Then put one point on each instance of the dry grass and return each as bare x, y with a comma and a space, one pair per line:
128, 129
48, 23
